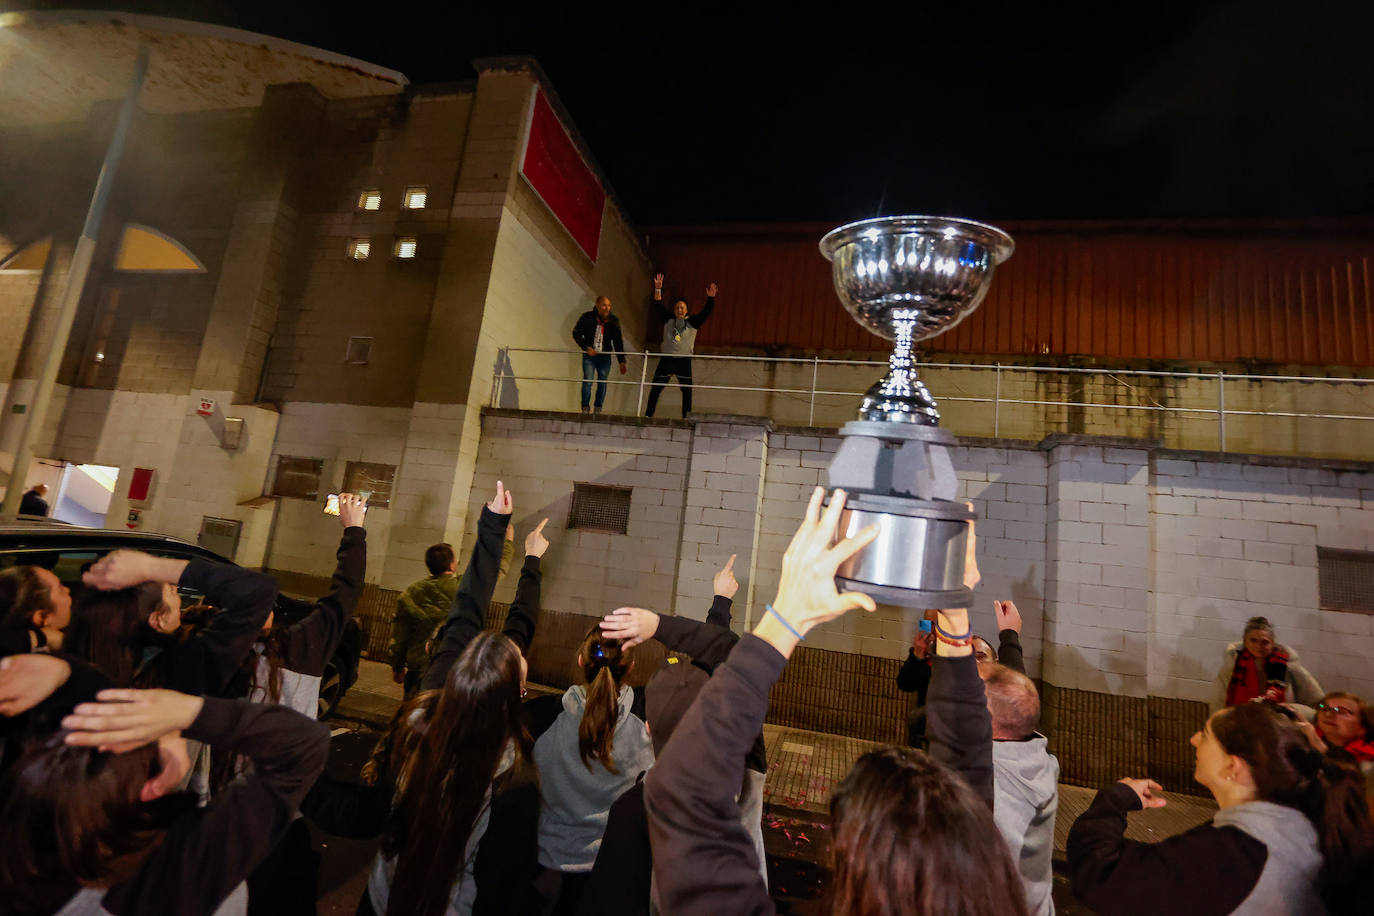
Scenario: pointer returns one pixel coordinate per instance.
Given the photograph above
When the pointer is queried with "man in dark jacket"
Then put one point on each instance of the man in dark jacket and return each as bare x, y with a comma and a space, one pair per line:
597, 333
33, 502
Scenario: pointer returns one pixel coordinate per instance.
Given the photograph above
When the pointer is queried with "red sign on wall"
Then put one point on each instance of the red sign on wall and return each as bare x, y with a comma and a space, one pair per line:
559, 175
141, 484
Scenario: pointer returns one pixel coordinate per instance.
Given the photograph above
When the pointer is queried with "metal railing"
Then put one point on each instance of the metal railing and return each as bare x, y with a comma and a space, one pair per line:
1355, 388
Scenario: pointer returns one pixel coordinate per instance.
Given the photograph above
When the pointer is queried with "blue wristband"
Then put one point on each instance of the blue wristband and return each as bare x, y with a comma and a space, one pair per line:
791, 629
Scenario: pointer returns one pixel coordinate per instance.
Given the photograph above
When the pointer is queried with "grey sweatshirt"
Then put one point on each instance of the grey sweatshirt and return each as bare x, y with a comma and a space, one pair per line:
576, 798
1026, 789
1290, 884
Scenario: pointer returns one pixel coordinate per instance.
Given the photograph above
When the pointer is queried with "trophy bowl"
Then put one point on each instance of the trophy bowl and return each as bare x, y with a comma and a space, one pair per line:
930, 270
906, 278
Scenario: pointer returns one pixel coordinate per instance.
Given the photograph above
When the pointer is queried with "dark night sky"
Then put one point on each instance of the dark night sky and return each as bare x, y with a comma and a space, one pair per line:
726, 112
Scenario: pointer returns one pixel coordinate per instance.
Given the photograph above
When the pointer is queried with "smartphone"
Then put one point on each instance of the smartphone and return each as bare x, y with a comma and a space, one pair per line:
925, 626
331, 504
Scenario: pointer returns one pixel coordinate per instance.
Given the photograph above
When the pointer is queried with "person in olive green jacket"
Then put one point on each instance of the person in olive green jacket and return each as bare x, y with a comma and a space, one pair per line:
423, 607
420, 608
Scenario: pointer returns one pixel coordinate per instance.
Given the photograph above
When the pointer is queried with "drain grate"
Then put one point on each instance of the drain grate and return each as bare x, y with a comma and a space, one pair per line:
600, 508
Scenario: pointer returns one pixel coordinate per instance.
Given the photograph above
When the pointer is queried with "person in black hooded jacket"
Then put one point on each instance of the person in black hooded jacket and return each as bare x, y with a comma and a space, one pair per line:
597, 334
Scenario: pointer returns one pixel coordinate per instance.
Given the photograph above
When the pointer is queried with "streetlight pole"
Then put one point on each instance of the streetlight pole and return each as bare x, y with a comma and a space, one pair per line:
71, 293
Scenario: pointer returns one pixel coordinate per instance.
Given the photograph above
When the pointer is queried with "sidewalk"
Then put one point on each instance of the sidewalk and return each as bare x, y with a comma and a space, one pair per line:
804, 767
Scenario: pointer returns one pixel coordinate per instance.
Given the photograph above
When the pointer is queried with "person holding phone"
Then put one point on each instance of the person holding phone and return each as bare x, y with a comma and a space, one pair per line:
914, 678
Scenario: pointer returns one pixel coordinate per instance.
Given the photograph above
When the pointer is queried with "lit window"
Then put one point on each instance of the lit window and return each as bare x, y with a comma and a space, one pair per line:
359, 249
370, 199
405, 248
415, 198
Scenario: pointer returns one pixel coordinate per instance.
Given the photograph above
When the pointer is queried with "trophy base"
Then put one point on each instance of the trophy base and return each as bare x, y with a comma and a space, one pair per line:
914, 598
917, 560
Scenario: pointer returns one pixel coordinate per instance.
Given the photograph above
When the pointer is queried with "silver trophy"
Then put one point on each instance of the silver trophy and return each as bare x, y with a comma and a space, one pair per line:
907, 278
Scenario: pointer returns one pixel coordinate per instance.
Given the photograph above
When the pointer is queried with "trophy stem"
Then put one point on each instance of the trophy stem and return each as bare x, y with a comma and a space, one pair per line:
900, 396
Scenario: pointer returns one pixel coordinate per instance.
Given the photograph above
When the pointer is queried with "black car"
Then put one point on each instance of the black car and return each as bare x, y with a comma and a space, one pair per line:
67, 549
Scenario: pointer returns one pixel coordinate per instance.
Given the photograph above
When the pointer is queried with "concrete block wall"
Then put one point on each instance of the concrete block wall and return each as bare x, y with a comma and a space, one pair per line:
1234, 540
304, 538
1005, 482
1097, 579
1132, 566
539, 458
722, 517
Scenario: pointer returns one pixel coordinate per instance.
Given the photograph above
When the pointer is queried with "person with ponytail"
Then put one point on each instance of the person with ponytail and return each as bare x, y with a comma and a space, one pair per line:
591, 754
1292, 835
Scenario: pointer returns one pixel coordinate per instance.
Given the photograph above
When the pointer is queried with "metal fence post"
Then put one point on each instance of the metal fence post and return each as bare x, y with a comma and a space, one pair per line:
997, 405
815, 370
1221, 408
643, 372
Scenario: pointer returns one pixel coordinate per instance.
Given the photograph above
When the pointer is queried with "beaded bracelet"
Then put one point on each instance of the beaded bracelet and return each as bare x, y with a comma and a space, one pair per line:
782, 620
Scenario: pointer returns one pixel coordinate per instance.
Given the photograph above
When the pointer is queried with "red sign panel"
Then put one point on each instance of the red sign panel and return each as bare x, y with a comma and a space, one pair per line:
555, 169
141, 484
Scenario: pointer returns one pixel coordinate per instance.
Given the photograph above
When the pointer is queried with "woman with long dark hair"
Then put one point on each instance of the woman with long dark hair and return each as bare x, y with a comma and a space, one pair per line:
125, 621
587, 758
450, 788
119, 838
428, 789
1293, 834
912, 833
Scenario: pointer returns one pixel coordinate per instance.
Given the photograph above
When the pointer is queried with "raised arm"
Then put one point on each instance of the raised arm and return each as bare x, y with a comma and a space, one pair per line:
700, 317
311, 642
656, 305
724, 586
707, 643
958, 725
524, 610
467, 616
1009, 652
690, 793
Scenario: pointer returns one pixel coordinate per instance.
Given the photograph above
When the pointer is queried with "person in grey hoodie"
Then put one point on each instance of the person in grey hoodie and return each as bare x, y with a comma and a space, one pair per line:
587, 758
1292, 835
1025, 781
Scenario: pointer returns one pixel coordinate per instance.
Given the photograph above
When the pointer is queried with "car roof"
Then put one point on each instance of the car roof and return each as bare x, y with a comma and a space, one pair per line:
35, 533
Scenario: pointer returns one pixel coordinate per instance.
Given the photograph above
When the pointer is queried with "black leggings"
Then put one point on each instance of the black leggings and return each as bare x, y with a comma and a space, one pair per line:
668, 366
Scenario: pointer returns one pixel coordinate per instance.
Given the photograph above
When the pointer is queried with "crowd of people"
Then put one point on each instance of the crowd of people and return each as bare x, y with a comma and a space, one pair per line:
161, 758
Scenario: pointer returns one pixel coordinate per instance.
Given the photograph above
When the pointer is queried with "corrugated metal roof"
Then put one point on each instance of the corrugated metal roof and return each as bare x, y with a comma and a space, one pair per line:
1174, 291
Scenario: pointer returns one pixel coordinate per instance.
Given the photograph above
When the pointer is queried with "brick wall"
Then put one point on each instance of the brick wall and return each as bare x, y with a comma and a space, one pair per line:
1133, 566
